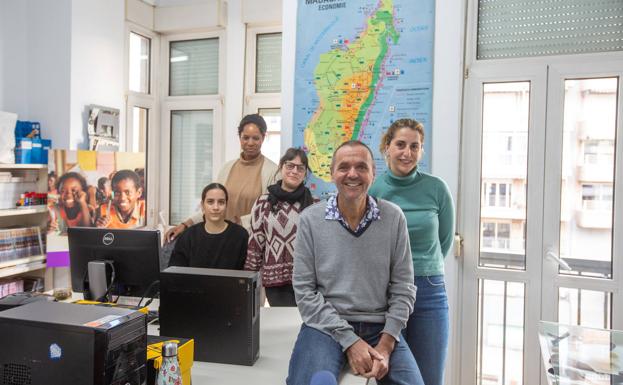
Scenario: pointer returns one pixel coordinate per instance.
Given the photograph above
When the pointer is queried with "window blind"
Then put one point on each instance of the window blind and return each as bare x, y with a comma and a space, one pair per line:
194, 67
268, 63
524, 28
191, 161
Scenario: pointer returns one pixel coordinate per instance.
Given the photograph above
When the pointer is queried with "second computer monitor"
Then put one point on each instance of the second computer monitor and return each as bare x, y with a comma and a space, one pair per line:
134, 253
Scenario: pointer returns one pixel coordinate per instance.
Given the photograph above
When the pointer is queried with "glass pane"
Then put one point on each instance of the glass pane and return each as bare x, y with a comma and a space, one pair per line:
522, 28
139, 129
590, 114
584, 308
500, 332
271, 148
194, 67
505, 116
268, 63
191, 161
139, 63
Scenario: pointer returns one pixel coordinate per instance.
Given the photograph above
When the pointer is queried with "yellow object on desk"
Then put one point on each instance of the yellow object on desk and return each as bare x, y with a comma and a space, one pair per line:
185, 355
143, 310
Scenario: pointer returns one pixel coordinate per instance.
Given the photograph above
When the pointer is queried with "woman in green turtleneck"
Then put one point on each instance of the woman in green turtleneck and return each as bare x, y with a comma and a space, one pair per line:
428, 207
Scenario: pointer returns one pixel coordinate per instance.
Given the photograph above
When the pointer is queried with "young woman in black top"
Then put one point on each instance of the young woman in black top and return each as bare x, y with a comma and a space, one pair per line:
214, 243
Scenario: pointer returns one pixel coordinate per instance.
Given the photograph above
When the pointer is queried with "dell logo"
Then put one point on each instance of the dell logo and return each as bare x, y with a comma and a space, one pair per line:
108, 238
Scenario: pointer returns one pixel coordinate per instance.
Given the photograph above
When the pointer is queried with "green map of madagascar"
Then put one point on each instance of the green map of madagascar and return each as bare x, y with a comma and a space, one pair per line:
346, 80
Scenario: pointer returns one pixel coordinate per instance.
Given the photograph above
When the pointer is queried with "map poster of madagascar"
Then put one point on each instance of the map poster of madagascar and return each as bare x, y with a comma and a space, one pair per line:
360, 65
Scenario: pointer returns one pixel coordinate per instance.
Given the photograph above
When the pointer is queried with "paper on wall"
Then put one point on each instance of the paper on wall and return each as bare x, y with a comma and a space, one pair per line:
7, 137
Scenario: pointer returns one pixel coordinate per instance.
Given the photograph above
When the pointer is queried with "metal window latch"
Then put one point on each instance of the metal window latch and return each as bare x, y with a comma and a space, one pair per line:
458, 245
561, 262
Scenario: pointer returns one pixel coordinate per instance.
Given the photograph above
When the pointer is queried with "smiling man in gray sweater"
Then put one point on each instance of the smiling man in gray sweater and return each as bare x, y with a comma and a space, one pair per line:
353, 280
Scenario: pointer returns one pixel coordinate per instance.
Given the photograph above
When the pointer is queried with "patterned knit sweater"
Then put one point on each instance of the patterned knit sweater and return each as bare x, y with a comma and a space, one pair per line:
271, 242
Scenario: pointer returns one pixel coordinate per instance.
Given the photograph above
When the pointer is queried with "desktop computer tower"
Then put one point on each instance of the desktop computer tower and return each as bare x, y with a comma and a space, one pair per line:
218, 308
50, 343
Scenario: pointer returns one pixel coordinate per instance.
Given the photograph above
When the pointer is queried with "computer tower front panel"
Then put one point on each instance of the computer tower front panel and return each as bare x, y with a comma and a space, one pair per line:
221, 314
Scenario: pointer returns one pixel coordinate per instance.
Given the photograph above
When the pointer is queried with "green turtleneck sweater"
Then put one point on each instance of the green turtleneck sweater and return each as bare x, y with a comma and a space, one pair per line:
428, 207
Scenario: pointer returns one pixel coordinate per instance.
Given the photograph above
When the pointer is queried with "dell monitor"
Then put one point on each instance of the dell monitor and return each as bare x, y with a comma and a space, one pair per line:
134, 255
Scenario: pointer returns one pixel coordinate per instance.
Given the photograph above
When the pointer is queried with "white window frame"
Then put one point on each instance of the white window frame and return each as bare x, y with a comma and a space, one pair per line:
253, 101
149, 102
189, 103
545, 74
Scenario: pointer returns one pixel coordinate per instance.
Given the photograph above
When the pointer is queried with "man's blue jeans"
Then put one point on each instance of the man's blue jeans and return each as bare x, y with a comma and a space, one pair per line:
427, 328
315, 351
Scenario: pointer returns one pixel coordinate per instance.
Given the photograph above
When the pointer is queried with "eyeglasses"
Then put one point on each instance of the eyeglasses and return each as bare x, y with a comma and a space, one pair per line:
291, 166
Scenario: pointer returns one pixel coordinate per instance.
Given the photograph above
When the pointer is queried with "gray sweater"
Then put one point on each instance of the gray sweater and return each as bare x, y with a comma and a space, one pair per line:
339, 277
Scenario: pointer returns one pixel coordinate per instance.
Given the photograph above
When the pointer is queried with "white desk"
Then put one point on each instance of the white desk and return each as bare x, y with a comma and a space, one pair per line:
279, 327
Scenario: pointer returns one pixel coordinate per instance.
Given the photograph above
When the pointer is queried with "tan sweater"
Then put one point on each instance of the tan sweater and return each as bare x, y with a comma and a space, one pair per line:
238, 169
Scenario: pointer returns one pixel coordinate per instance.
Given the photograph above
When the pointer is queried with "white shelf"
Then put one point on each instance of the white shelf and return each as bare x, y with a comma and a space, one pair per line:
30, 210
21, 261
20, 269
7, 166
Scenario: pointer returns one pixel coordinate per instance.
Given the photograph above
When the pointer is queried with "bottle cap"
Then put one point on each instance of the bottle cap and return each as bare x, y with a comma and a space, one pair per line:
169, 349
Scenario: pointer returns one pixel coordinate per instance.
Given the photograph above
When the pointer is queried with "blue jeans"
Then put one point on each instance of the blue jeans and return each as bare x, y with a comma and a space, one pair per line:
315, 351
427, 328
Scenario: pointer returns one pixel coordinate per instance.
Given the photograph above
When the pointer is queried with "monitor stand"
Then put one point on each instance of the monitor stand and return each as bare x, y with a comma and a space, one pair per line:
101, 277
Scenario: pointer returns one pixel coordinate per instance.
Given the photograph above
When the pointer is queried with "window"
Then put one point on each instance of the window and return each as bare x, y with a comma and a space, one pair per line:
268, 63
141, 48
191, 160
194, 67
496, 235
596, 197
558, 116
510, 29
140, 121
139, 66
497, 194
263, 84
272, 143
599, 152
191, 116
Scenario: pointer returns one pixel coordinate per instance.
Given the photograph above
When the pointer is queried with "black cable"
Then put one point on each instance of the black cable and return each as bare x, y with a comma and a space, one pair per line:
151, 285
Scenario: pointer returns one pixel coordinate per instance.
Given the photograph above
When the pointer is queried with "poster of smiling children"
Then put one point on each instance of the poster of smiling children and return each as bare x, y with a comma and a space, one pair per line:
95, 189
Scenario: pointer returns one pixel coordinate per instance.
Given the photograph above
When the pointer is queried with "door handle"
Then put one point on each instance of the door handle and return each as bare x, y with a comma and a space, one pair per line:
552, 255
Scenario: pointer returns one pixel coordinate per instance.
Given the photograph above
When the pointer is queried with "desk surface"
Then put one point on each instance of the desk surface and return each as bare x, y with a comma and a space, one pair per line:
279, 328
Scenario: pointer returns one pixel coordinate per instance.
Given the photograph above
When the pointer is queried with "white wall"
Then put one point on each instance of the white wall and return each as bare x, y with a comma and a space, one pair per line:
58, 57
235, 39
13, 69
446, 135
35, 63
97, 62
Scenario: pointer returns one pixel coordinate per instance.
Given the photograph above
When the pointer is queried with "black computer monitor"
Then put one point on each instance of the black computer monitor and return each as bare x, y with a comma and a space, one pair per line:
134, 253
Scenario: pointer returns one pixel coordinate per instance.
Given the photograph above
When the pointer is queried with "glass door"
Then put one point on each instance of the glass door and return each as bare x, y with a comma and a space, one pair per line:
541, 174
501, 221
582, 267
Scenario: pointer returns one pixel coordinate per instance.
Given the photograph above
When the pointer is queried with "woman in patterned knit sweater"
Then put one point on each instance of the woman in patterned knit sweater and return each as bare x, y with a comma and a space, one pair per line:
274, 220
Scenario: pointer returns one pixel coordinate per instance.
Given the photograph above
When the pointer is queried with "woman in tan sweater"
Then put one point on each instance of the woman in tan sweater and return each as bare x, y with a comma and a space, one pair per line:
245, 178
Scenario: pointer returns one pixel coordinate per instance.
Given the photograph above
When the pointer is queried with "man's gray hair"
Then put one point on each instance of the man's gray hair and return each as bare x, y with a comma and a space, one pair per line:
352, 143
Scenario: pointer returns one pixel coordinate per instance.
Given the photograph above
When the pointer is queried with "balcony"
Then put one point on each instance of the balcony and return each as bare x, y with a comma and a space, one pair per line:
594, 219
492, 212
591, 131
599, 170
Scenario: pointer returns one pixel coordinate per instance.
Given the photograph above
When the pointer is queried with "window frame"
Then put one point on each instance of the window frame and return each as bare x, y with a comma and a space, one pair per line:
148, 101
168, 103
254, 101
